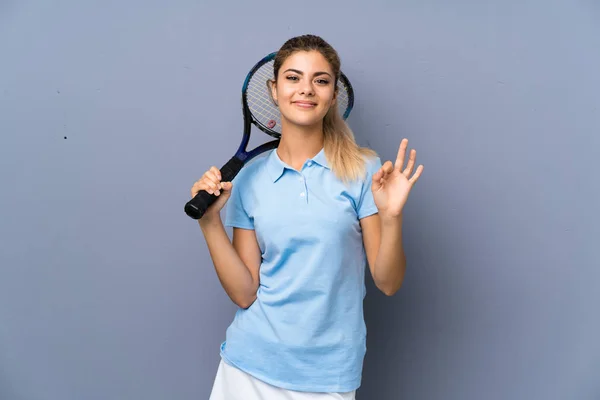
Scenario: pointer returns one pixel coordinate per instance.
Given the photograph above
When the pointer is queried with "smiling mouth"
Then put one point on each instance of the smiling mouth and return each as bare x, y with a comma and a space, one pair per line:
305, 104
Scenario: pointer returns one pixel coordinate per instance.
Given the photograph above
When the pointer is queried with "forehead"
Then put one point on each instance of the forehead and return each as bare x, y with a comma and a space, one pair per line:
307, 61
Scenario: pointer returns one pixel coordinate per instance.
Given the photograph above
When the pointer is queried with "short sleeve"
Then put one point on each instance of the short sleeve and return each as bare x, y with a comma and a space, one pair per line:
366, 205
236, 214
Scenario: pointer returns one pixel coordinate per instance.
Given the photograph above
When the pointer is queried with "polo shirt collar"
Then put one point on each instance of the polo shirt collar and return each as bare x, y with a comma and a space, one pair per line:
321, 159
275, 166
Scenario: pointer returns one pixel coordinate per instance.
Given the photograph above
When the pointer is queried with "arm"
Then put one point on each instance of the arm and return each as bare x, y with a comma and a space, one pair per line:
382, 238
236, 263
382, 232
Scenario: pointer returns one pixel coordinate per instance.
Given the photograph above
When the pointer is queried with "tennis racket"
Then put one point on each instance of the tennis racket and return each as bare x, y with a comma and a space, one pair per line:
259, 110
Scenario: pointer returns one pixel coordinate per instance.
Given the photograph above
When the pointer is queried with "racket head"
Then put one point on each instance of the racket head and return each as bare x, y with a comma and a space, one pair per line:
259, 105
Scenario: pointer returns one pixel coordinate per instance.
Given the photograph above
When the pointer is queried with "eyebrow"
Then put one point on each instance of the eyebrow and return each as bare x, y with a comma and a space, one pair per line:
302, 73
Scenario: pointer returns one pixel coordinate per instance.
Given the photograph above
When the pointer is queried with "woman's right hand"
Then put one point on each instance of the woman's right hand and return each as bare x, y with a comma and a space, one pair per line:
211, 182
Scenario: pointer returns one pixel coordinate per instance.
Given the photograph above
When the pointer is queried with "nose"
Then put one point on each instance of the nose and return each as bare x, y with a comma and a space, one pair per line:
306, 88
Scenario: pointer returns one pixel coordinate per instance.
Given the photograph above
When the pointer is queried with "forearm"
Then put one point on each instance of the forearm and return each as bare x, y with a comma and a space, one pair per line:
390, 264
234, 275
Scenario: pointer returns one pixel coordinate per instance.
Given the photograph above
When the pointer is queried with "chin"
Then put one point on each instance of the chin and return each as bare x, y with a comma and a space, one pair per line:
304, 123
304, 120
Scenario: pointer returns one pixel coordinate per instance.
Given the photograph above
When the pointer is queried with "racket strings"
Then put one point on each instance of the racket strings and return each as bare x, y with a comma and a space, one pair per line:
259, 97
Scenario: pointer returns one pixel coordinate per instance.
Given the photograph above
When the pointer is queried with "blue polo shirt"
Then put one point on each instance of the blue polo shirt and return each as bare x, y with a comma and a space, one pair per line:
306, 330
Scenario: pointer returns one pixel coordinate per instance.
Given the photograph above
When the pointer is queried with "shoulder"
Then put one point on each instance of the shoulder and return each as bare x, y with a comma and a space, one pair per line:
245, 192
372, 163
253, 169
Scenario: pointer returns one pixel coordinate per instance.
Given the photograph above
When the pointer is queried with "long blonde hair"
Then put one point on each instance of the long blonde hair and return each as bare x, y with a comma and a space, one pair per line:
346, 157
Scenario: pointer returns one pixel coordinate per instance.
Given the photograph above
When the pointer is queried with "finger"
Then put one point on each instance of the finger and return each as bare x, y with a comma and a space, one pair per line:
377, 176
211, 187
401, 153
199, 186
417, 174
387, 168
411, 163
212, 180
216, 171
207, 184
223, 187
212, 176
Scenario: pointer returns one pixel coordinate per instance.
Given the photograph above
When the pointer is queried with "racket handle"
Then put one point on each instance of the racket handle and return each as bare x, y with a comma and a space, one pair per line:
196, 207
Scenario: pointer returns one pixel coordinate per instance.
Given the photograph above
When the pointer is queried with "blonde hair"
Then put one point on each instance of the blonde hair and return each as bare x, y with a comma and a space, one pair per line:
346, 157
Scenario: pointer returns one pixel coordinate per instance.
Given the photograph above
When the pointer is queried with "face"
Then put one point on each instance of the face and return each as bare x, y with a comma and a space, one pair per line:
304, 89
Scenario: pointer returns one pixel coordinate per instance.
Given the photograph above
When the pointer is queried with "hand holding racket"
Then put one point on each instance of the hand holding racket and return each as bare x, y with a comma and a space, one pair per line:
259, 110
211, 183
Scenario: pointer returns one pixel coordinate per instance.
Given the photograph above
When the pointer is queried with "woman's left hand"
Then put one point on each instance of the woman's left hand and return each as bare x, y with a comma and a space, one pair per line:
392, 184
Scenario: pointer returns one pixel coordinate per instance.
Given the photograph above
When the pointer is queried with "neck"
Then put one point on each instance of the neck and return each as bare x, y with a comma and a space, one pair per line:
299, 143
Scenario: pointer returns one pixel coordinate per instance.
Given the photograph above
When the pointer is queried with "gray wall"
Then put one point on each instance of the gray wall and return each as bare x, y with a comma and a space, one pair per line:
106, 287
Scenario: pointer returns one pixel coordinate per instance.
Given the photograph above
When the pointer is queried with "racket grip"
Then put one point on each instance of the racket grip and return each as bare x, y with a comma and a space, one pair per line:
196, 207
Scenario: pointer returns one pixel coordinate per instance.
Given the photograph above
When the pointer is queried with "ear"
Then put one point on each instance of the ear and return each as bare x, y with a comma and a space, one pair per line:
335, 95
273, 90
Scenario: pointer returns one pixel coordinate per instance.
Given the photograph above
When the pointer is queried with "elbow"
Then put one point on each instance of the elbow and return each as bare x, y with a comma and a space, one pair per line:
389, 291
391, 277
390, 288
245, 303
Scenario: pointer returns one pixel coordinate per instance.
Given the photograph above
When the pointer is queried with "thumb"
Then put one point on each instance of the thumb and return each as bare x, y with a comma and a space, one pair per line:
225, 190
223, 195
226, 187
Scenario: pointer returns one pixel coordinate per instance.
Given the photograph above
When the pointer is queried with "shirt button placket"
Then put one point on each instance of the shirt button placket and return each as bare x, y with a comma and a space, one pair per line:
303, 193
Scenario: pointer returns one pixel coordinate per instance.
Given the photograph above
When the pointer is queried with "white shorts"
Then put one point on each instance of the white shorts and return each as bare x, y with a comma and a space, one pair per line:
232, 383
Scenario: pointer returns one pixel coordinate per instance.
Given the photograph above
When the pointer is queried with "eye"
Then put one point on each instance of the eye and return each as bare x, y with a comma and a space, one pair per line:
291, 78
323, 81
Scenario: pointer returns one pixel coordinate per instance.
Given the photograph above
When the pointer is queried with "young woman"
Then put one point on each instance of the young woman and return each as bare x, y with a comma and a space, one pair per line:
307, 218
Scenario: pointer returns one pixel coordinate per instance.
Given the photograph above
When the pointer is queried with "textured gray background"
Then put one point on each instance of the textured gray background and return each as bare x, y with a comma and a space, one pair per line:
106, 286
